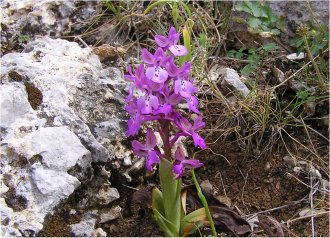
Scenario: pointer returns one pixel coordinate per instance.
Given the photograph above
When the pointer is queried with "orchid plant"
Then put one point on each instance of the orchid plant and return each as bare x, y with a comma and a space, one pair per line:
157, 87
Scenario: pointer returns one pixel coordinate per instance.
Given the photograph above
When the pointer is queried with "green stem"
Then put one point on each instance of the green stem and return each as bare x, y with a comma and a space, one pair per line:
204, 202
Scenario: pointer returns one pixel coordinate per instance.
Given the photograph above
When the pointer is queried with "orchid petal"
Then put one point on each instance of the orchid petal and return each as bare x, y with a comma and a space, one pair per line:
172, 69
147, 56
198, 123
198, 141
191, 163
174, 99
178, 170
179, 154
152, 159
192, 104
178, 50
161, 41
150, 139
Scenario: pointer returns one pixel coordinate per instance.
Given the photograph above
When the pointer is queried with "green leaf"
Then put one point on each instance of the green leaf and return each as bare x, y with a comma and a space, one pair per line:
175, 13
243, 7
275, 32
254, 23
191, 222
157, 200
269, 47
256, 11
171, 190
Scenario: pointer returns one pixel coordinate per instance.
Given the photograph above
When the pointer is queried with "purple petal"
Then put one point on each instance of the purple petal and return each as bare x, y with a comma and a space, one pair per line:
198, 123
151, 139
133, 127
157, 74
155, 86
172, 69
165, 109
179, 154
198, 141
178, 50
193, 104
178, 170
147, 56
150, 102
130, 95
152, 159
185, 70
161, 41
184, 87
174, 99
138, 148
173, 36
159, 55
191, 163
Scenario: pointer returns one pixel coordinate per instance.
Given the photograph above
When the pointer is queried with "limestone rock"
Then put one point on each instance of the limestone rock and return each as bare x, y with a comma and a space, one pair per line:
55, 120
228, 80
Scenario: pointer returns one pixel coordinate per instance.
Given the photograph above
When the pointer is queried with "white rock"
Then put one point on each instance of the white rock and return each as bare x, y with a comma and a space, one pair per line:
47, 152
228, 79
13, 103
296, 56
85, 228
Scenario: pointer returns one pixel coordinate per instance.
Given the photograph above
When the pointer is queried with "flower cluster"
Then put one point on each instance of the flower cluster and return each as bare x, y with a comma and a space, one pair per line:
158, 86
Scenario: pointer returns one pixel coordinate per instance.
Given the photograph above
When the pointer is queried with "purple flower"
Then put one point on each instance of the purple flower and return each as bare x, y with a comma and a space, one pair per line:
184, 87
181, 163
170, 43
155, 71
148, 103
147, 150
136, 118
191, 130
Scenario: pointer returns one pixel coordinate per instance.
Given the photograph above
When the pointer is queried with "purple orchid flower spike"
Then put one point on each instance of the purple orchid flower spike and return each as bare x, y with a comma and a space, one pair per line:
147, 150
181, 163
170, 43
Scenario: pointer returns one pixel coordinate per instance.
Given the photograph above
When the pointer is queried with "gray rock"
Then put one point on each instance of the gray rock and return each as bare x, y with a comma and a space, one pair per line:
85, 228
44, 17
228, 80
298, 12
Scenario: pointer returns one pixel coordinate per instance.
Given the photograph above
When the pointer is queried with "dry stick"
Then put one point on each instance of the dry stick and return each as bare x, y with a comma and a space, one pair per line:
312, 205
308, 216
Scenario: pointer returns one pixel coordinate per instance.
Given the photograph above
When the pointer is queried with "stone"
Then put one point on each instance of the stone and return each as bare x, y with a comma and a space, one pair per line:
85, 228
296, 56
299, 13
56, 121
110, 215
107, 195
207, 186
224, 199
99, 232
227, 79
